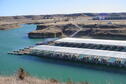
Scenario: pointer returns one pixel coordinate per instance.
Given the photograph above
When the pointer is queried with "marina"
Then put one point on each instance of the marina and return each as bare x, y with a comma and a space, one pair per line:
48, 68
72, 49
63, 42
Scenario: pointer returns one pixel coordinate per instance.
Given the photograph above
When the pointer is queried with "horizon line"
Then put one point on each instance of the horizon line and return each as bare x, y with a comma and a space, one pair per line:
59, 14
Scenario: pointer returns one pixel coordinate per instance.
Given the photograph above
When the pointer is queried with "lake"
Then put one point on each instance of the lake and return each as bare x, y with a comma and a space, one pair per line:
17, 38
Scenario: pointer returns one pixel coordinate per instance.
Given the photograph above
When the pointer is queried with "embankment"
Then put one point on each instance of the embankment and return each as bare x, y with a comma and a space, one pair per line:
67, 29
9, 26
53, 30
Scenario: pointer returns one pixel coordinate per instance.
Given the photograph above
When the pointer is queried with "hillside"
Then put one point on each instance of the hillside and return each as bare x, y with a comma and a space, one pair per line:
40, 17
65, 24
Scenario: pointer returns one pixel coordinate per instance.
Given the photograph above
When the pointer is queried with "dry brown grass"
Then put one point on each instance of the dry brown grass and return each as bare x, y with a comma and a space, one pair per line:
8, 26
27, 80
33, 80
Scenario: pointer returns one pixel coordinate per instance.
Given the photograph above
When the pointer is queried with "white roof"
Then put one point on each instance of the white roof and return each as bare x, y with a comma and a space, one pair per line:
93, 41
102, 53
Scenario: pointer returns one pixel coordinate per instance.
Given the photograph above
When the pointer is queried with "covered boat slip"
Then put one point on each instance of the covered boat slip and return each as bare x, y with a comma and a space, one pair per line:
82, 51
93, 41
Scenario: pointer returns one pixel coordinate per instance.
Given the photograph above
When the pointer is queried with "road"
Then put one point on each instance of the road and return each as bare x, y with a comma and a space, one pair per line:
76, 31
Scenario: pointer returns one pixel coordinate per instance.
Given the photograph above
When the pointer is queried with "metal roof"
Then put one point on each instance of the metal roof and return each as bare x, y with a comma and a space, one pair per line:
89, 52
93, 41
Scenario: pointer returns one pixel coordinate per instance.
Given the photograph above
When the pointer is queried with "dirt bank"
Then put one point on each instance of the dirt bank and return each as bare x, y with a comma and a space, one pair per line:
67, 29
9, 26
45, 33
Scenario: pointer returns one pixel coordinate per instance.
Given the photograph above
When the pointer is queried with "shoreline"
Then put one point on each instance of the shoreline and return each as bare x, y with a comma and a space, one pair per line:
35, 80
9, 26
27, 80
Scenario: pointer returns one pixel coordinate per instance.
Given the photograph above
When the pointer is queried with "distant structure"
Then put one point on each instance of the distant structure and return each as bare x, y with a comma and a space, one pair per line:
109, 22
101, 16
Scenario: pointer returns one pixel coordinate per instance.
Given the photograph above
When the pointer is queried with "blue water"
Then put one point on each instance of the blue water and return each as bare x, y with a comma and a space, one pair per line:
46, 68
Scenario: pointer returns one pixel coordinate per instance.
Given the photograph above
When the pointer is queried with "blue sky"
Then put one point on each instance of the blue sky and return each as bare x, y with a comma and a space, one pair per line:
38, 7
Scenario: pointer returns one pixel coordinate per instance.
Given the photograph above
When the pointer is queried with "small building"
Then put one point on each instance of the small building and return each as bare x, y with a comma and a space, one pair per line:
101, 16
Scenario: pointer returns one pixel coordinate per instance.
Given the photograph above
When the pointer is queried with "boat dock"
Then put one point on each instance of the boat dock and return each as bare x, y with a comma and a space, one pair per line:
84, 55
94, 51
111, 45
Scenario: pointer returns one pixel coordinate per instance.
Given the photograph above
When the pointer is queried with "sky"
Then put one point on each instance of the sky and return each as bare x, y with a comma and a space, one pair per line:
41, 7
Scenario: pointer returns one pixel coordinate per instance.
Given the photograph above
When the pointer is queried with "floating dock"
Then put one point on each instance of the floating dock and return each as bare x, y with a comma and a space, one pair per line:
94, 51
112, 45
94, 41
79, 54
